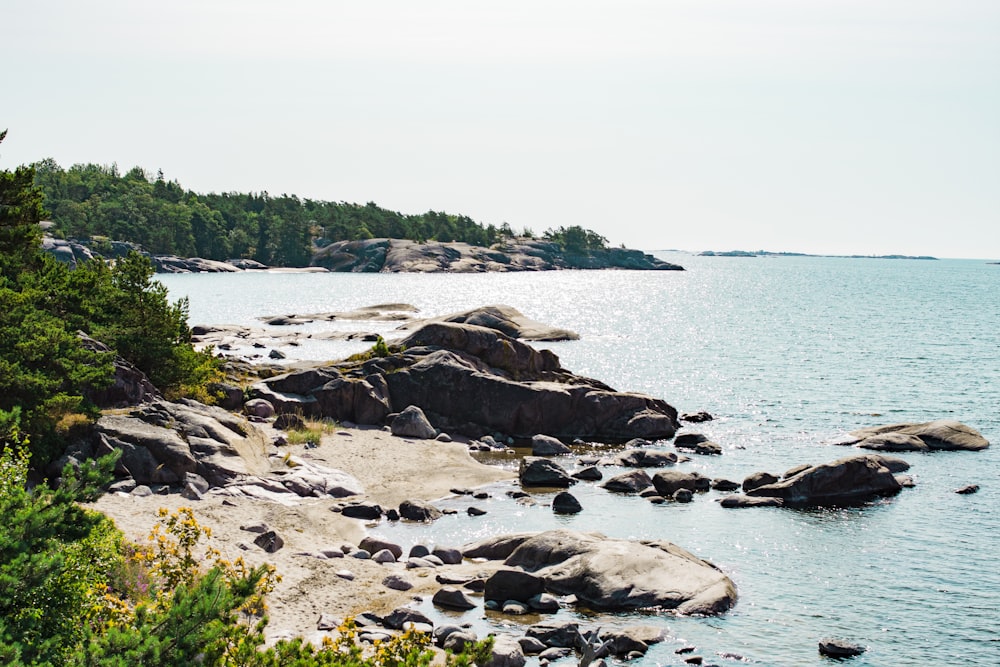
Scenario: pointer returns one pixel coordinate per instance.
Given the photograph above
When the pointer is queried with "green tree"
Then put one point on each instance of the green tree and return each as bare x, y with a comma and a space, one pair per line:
52, 556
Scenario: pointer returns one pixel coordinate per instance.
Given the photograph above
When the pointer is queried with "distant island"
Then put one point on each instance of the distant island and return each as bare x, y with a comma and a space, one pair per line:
96, 211
766, 253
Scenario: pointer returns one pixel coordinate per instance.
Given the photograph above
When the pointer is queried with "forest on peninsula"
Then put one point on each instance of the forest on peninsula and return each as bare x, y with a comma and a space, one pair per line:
73, 590
89, 201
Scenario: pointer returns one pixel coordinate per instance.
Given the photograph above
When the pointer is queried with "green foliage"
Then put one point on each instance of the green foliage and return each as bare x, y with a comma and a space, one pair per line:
53, 555
92, 200
44, 369
576, 239
73, 592
379, 349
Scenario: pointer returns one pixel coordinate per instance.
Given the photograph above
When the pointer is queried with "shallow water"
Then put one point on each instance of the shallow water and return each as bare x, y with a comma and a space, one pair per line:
787, 353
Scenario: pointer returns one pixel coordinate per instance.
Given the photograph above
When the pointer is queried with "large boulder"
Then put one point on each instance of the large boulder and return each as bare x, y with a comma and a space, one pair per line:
413, 423
472, 381
849, 480
633, 481
612, 574
538, 471
946, 434
641, 458
669, 482
473, 375
543, 445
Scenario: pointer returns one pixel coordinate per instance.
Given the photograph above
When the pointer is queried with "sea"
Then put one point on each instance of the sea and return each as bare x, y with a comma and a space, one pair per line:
788, 354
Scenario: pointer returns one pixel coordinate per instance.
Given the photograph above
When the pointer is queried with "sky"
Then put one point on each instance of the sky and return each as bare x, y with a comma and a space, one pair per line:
818, 126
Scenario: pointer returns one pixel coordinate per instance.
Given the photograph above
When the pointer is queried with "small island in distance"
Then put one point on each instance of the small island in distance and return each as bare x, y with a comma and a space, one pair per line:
766, 253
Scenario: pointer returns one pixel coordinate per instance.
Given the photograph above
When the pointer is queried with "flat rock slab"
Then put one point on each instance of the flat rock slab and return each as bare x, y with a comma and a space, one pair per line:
611, 574
944, 434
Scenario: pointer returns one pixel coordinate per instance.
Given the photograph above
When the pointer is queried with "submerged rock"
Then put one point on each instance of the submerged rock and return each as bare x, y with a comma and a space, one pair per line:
839, 648
943, 434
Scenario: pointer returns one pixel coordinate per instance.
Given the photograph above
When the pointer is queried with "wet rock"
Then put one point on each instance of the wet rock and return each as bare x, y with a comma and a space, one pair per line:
708, 449
531, 645
689, 440
968, 489
894, 442
669, 481
448, 555
752, 481
943, 434
739, 501
515, 608
543, 445
508, 584
696, 417
537, 471
792, 472
363, 510
633, 481
544, 603
588, 474
558, 634
642, 458
566, 503
452, 598
418, 510
682, 496
400, 617
475, 511
610, 574
849, 480
839, 648
720, 484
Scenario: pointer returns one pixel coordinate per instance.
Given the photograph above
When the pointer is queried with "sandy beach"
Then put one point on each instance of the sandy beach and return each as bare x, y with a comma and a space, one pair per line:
390, 468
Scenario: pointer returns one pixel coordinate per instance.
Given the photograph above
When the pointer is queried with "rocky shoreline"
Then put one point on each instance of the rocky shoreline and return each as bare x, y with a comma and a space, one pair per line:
410, 416
387, 256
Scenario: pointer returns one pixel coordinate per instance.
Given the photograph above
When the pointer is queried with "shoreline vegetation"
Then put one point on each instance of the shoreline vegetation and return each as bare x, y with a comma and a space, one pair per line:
78, 345
113, 425
95, 211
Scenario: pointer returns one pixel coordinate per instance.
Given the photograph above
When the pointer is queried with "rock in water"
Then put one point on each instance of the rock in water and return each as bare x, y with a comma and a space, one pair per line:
946, 434
418, 510
566, 503
611, 574
452, 598
536, 471
849, 480
543, 445
838, 648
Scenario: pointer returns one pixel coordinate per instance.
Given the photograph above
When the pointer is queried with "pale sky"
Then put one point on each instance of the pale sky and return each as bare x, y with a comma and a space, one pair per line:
821, 126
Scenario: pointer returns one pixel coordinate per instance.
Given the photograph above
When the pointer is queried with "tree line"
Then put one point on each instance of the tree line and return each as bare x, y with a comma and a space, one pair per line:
89, 200
73, 590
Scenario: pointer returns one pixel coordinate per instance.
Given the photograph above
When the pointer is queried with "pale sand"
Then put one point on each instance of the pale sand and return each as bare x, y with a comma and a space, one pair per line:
391, 469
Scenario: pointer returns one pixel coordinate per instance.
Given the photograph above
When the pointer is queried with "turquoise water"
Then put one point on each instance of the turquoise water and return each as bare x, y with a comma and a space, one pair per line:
787, 353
